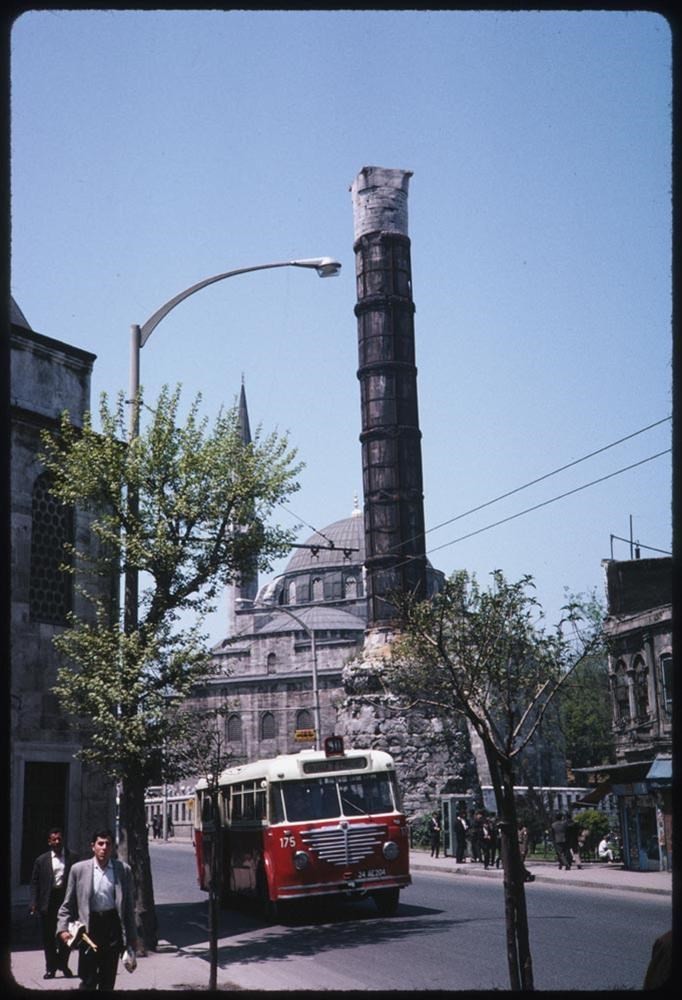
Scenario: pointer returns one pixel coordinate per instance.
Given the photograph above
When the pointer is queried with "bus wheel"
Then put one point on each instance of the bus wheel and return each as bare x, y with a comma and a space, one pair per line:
386, 901
271, 909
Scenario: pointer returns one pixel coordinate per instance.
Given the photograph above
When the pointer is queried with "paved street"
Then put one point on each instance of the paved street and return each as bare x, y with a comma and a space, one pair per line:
590, 929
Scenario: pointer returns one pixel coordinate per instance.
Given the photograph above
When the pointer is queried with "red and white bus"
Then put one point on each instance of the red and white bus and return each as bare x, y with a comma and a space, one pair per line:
306, 825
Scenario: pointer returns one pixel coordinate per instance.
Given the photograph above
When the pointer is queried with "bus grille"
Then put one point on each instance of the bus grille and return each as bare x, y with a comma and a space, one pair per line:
344, 844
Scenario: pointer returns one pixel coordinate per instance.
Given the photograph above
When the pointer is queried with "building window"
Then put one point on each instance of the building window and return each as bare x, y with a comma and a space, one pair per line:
268, 729
620, 693
351, 588
50, 588
304, 719
667, 678
271, 663
234, 729
292, 592
641, 692
318, 589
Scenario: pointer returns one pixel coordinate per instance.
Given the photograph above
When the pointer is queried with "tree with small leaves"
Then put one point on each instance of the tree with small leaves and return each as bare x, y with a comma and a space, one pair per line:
183, 506
486, 655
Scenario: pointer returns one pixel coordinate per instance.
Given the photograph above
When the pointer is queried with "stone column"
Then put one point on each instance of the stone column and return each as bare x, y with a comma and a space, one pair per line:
390, 437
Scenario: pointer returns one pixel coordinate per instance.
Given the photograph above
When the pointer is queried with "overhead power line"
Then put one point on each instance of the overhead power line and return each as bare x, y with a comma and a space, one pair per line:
547, 475
545, 503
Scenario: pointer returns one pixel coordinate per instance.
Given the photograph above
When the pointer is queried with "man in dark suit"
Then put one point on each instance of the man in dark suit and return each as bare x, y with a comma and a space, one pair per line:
48, 885
100, 893
560, 838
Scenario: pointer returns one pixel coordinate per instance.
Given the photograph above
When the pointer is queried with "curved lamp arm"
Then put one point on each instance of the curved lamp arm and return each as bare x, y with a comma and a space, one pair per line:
326, 267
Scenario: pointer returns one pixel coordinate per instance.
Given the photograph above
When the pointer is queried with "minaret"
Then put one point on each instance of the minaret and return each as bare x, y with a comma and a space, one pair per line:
245, 587
390, 437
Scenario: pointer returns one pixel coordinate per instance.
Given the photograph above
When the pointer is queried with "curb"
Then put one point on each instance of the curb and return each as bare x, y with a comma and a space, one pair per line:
498, 874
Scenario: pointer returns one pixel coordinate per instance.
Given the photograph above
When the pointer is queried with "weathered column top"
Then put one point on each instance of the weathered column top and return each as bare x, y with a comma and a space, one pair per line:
380, 201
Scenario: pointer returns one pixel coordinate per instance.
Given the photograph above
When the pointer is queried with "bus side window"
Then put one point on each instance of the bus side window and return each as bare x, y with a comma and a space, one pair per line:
206, 809
261, 804
236, 801
249, 804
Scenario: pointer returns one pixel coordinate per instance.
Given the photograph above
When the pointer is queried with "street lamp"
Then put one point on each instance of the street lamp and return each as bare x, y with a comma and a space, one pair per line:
326, 267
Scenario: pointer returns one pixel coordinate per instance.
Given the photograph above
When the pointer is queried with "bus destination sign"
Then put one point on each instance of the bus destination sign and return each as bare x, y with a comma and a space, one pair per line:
333, 746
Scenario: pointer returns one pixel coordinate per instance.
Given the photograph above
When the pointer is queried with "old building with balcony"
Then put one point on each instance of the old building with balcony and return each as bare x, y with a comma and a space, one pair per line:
638, 629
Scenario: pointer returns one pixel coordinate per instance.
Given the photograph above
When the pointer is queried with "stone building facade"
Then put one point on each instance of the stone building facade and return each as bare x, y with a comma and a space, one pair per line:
48, 785
264, 671
639, 631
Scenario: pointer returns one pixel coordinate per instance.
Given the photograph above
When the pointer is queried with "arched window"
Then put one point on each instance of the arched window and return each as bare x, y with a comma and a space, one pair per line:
621, 695
351, 588
292, 592
318, 589
304, 719
268, 728
271, 663
641, 692
234, 729
667, 678
50, 588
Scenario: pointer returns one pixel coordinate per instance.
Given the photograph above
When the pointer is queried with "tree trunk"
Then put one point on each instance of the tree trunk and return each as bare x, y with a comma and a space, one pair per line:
516, 916
134, 848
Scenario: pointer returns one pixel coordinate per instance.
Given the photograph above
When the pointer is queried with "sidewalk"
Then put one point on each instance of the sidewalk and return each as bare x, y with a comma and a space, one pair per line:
593, 874
173, 968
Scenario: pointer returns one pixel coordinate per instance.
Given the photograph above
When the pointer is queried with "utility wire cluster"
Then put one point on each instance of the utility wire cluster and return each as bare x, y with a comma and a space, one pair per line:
534, 507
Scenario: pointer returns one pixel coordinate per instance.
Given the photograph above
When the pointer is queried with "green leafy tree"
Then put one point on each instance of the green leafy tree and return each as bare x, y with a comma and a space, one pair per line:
184, 507
584, 705
485, 654
596, 822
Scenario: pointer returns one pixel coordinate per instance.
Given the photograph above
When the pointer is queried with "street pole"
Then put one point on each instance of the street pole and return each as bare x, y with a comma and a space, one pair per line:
310, 632
326, 267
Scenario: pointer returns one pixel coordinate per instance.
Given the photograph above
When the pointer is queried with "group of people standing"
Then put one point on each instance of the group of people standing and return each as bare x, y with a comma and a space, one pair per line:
95, 895
477, 836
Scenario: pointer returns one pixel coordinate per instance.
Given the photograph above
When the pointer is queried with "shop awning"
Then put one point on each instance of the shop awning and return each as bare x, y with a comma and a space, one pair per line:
595, 796
660, 774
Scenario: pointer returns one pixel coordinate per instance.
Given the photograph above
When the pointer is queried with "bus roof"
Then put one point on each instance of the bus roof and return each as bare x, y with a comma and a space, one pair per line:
305, 764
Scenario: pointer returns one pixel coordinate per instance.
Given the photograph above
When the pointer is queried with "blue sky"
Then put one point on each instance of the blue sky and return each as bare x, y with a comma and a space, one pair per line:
151, 149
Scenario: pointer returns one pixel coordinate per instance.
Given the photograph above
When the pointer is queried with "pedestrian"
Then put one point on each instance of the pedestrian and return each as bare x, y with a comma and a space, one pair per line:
100, 894
48, 885
461, 827
475, 834
524, 838
169, 823
582, 846
559, 837
156, 825
524, 843
487, 841
571, 839
434, 826
605, 850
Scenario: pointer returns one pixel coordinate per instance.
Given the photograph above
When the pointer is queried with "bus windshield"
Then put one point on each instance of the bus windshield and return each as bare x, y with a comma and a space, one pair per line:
331, 796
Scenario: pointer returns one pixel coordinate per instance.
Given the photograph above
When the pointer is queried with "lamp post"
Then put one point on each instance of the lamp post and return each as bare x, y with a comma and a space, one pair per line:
326, 267
310, 632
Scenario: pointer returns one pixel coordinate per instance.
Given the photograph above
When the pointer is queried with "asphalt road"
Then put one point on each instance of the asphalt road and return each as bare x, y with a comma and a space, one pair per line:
449, 934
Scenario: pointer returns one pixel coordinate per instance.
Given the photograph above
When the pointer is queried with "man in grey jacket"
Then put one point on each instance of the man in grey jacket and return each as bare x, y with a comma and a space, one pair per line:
100, 894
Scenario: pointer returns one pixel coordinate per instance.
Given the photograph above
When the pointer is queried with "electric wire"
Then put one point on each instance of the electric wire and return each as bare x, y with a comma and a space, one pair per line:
518, 489
545, 503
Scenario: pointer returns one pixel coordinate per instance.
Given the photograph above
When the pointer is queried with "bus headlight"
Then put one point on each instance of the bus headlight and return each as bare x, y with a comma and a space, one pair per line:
390, 850
300, 860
